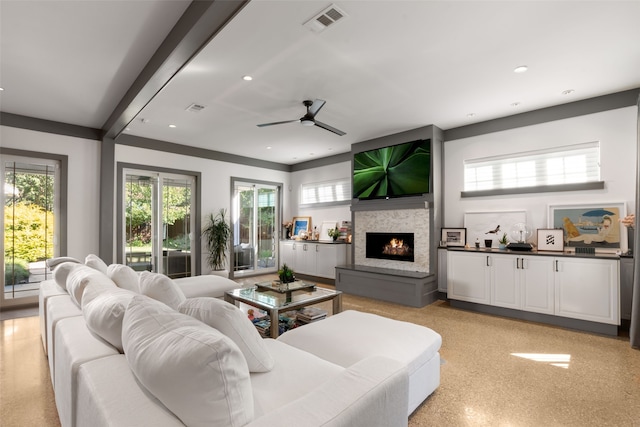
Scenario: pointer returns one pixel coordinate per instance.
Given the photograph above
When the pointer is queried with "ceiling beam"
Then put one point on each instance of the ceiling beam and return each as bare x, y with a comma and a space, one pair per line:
200, 23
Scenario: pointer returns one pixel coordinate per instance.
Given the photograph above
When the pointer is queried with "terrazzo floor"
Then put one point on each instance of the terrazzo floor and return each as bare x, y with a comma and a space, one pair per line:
496, 372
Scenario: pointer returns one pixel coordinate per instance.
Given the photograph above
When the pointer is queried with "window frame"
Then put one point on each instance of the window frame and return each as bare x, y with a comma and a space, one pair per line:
535, 155
344, 182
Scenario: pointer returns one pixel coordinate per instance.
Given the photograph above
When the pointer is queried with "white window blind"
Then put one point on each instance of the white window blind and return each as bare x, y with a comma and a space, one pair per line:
569, 164
326, 192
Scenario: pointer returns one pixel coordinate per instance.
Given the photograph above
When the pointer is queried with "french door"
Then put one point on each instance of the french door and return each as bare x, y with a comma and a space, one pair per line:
31, 224
158, 222
255, 213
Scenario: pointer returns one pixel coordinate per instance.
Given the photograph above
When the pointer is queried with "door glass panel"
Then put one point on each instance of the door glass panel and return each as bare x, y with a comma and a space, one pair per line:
176, 223
254, 232
29, 226
158, 223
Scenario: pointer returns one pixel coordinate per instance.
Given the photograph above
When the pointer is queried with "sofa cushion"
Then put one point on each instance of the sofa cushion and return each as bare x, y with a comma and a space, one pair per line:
196, 372
104, 315
61, 273
52, 263
232, 322
161, 288
81, 276
207, 285
124, 277
94, 261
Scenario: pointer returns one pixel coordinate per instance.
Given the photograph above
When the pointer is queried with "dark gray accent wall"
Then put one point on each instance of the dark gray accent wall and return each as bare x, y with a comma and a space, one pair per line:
201, 21
48, 126
107, 194
573, 109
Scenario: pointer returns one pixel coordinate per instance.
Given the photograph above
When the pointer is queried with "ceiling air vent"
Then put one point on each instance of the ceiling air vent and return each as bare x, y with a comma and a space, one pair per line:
195, 108
327, 17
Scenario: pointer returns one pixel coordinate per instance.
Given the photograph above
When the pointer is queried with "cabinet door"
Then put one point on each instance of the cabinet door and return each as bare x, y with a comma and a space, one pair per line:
327, 257
442, 270
307, 257
468, 277
588, 289
287, 256
536, 283
505, 281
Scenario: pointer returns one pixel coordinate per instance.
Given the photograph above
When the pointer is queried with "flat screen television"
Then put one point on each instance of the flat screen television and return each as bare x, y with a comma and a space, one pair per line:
394, 171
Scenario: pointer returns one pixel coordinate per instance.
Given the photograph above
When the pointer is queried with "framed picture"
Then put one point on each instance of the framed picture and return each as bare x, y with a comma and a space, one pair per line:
589, 225
483, 226
454, 236
301, 223
550, 239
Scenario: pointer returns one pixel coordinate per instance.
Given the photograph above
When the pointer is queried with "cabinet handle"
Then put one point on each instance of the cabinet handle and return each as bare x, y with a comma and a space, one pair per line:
522, 263
518, 263
487, 260
556, 265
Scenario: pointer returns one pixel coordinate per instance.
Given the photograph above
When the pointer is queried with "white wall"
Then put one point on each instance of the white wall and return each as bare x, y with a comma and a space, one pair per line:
616, 131
320, 174
216, 177
83, 187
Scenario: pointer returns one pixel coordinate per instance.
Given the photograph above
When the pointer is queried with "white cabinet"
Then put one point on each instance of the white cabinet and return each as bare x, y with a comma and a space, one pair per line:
588, 289
537, 283
314, 259
469, 277
579, 288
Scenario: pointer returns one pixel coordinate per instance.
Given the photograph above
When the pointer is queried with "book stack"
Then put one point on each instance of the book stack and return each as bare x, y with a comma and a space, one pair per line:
264, 327
310, 314
345, 230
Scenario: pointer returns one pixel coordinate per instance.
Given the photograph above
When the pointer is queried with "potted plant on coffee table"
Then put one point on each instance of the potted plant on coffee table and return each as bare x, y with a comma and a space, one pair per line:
216, 235
285, 274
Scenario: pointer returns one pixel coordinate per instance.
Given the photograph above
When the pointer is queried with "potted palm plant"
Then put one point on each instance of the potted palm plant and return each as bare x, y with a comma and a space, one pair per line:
216, 235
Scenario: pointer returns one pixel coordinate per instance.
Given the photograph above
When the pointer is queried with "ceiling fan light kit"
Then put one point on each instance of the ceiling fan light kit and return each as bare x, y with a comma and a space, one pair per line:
309, 119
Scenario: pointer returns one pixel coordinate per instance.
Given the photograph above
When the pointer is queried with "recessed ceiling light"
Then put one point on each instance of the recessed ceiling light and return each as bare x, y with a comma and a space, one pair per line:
520, 69
568, 92
247, 78
269, 148
172, 126
515, 104
471, 115
1, 89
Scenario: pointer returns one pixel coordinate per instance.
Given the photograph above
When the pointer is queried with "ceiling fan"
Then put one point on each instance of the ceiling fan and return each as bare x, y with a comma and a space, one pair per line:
309, 119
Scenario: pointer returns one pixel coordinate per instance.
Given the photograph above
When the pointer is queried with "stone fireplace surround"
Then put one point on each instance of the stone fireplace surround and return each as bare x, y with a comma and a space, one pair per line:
403, 282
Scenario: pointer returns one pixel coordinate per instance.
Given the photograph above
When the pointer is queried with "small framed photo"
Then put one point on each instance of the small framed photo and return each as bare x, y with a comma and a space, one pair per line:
454, 236
301, 223
551, 239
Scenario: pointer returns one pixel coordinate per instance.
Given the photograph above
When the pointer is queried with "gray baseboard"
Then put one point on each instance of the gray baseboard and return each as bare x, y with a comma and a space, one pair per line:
565, 322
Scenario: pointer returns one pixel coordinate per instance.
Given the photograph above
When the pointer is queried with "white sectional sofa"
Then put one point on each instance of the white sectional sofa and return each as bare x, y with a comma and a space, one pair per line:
142, 354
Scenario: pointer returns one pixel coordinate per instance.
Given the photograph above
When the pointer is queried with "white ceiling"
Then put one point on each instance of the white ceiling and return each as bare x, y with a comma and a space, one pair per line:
389, 66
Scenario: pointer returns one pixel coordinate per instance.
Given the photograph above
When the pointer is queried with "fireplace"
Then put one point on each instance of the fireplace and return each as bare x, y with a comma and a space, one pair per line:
393, 246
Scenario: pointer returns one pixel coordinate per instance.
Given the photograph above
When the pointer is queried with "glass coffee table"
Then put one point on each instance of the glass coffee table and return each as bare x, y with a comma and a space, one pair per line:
274, 301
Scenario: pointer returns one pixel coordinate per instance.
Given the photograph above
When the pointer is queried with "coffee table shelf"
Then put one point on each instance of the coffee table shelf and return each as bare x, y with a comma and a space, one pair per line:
276, 302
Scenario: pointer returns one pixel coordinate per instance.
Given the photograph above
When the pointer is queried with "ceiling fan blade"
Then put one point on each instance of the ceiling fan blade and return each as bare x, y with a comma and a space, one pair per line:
329, 128
277, 123
316, 106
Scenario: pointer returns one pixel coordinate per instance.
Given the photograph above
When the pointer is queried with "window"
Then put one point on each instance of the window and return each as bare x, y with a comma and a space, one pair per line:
31, 223
326, 192
573, 164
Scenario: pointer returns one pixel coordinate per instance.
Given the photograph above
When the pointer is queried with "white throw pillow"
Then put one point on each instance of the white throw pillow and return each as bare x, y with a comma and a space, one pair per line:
105, 312
52, 263
124, 277
196, 372
61, 273
232, 322
94, 261
161, 288
80, 277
